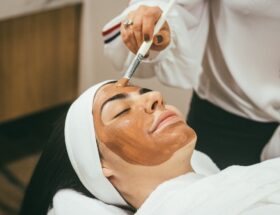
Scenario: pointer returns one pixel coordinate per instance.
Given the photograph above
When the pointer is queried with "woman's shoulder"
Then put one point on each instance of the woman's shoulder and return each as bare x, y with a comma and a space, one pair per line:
69, 201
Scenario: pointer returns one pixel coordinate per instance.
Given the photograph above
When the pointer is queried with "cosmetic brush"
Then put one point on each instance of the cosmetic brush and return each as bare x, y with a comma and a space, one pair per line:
144, 48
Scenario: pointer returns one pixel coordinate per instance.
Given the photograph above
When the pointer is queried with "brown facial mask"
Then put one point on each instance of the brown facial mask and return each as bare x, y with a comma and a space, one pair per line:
135, 124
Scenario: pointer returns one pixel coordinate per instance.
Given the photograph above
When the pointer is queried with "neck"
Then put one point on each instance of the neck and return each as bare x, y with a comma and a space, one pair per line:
138, 189
136, 182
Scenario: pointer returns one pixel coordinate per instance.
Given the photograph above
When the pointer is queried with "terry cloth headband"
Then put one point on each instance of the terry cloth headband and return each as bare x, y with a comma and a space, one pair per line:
82, 148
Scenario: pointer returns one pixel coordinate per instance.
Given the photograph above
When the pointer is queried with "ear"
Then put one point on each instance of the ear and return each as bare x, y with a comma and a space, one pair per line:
107, 172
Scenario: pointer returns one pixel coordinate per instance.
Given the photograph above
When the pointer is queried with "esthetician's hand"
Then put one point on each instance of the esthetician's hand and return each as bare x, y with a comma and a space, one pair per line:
139, 26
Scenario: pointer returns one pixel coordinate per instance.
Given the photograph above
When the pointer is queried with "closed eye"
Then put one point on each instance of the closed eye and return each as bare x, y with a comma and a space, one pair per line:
122, 112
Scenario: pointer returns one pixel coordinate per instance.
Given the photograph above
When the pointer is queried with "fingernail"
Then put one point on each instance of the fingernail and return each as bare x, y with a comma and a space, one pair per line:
146, 37
159, 38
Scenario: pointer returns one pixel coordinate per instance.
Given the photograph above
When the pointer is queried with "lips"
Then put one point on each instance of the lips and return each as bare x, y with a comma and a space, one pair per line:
164, 119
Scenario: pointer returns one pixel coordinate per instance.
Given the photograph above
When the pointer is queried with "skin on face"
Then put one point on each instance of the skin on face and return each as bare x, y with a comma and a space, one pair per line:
135, 124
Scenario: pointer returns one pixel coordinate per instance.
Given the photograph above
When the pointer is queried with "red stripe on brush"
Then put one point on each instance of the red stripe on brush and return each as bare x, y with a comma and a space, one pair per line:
104, 33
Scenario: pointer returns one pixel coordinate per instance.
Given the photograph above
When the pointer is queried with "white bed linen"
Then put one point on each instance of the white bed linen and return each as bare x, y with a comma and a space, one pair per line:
70, 202
249, 190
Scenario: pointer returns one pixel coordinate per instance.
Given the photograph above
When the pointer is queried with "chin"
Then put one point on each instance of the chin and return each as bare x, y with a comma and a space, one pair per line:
190, 138
192, 134
179, 134
186, 134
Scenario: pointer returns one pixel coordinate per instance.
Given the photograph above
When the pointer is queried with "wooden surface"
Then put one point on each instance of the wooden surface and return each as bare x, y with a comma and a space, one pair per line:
38, 61
16, 8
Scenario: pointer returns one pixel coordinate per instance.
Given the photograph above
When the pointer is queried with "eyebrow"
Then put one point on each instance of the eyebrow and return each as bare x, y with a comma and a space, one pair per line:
124, 96
115, 97
144, 90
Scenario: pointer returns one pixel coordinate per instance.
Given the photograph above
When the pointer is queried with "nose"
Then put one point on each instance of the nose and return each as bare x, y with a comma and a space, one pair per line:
153, 101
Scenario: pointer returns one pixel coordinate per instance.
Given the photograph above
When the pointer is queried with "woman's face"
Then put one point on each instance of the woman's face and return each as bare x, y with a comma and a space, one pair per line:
135, 124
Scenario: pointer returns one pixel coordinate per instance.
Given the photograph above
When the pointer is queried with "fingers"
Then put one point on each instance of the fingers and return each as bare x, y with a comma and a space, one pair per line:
149, 20
148, 28
130, 41
137, 30
128, 36
162, 39
144, 20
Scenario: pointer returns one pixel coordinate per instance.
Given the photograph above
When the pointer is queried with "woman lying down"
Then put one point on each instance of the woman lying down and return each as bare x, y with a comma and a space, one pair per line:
123, 151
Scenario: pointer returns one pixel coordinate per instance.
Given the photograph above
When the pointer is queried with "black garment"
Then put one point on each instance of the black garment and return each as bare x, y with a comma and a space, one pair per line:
227, 138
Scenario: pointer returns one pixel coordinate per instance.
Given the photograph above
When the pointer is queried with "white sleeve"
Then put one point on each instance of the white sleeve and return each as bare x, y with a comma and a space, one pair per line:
179, 64
71, 202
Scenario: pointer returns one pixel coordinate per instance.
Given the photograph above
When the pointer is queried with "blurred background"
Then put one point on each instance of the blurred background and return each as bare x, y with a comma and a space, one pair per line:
50, 51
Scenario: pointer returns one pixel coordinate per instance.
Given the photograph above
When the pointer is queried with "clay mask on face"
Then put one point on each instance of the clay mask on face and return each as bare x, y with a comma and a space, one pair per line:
135, 124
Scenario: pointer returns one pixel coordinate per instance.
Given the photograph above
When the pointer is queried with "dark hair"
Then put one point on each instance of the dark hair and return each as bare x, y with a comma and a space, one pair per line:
52, 173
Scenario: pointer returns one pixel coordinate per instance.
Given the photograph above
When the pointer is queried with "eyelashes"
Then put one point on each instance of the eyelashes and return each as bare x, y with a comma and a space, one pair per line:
141, 91
122, 112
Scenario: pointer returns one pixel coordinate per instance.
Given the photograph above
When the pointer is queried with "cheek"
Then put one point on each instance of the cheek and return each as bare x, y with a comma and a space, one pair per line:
124, 133
131, 141
177, 134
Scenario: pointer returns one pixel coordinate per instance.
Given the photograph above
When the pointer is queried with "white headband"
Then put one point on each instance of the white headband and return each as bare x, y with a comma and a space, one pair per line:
83, 150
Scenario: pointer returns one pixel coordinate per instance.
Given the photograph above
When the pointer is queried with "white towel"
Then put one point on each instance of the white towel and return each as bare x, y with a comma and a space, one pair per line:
235, 190
82, 148
70, 202
251, 190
